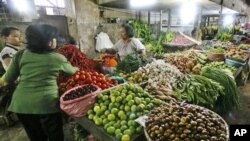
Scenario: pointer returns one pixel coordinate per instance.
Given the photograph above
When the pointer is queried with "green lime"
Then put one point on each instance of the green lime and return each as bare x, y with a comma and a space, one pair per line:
124, 127
137, 100
126, 108
139, 129
111, 130
106, 113
90, 116
127, 132
114, 110
125, 138
131, 123
105, 121
118, 99
98, 121
132, 116
97, 108
118, 136
90, 112
131, 102
117, 131
112, 98
111, 117
103, 107
133, 108
129, 97
123, 122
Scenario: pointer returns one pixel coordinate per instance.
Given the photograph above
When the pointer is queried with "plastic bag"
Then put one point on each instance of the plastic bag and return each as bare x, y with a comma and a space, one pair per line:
103, 42
78, 107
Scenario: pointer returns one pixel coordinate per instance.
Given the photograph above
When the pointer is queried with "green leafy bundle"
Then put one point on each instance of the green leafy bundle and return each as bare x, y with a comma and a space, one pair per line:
131, 63
141, 30
199, 90
230, 100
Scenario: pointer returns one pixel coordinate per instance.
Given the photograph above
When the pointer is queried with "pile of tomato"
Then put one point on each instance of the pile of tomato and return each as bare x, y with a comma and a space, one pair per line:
87, 77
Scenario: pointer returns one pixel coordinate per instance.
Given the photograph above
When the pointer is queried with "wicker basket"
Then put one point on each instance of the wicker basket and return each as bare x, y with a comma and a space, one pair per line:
216, 56
78, 107
205, 109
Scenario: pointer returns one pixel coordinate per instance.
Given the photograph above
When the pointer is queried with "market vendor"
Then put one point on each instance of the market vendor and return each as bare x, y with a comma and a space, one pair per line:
36, 99
127, 44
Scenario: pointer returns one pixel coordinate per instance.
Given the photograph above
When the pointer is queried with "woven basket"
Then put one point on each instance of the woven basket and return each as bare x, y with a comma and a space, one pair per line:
216, 56
78, 107
205, 109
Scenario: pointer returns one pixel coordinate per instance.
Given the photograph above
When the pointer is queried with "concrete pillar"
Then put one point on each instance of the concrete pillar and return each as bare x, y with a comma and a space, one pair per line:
87, 19
160, 20
169, 19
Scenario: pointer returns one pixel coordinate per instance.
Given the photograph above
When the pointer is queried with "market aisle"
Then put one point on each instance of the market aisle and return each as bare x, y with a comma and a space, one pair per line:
242, 115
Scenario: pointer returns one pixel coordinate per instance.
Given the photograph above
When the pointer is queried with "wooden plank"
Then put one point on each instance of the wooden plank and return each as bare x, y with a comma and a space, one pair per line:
98, 132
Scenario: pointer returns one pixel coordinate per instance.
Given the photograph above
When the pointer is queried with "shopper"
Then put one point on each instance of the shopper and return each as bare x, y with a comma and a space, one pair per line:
36, 100
11, 37
127, 44
13, 42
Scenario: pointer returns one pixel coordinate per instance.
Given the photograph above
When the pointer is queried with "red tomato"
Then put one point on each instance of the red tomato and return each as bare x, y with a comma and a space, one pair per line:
76, 77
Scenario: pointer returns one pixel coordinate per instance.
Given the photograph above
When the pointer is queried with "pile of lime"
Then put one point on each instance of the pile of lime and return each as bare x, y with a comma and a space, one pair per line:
117, 109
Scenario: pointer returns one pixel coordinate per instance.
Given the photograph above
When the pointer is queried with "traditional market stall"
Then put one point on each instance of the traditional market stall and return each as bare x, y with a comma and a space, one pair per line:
180, 82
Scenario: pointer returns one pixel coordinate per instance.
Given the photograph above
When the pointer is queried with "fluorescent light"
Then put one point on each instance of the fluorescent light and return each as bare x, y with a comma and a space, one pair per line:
141, 3
228, 20
21, 5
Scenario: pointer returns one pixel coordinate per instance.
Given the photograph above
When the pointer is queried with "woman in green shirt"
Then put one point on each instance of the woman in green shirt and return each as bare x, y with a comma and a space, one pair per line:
36, 100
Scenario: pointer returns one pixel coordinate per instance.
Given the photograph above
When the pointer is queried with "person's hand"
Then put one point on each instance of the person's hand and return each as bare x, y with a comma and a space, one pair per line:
2, 82
104, 50
76, 68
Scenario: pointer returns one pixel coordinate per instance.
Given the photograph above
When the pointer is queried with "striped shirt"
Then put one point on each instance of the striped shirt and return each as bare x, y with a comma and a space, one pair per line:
8, 52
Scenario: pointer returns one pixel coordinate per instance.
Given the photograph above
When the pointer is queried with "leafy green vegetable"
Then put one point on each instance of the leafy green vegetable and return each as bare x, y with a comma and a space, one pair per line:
199, 90
230, 100
131, 63
217, 50
219, 65
79, 133
141, 30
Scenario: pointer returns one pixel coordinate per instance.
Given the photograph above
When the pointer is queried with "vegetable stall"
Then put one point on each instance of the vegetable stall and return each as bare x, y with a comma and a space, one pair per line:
157, 85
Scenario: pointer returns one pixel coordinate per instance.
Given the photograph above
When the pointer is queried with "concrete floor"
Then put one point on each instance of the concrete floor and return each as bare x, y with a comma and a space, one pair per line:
239, 116
242, 114
17, 133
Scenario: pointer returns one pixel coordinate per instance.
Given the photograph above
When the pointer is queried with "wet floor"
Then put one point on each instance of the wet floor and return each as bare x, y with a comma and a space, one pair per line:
239, 116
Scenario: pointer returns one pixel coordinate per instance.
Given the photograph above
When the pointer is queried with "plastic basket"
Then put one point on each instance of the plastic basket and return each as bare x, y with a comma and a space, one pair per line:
216, 56
205, 109
234, 63
78, 107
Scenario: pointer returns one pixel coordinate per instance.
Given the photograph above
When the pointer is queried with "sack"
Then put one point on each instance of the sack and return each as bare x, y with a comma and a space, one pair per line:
79, 106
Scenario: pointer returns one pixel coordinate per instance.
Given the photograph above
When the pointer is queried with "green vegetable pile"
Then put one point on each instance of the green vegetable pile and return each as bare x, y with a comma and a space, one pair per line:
131, 63
219, 65
79, 133
117, 109
230, 100
200, 57
168, 37
217, 50
244, 46
199, 90
225, 34
141, 30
